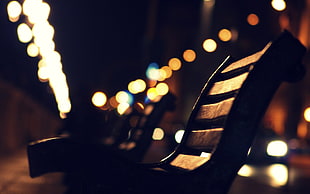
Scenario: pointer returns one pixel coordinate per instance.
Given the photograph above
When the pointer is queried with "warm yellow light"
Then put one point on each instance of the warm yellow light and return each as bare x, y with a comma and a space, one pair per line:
43, 74
277, 148
122, 97
30, 5
32, 50
64, 106
278, 5
153, 74
246, 171
307, 114
225, 35
279, 174
43, 33
39, 13
14, 10
136, 86
162, 74
209, 45
46, 47
99, 99
24, 33
189, 55
162, 88
122, 108
175, 64
158, 134
253, 19
152, 93
168, 71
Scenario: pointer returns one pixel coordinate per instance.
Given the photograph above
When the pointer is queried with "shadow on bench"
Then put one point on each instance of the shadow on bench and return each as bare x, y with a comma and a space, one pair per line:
218, 135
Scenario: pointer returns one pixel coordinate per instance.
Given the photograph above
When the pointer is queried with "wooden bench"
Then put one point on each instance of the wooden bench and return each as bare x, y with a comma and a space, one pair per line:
219, 133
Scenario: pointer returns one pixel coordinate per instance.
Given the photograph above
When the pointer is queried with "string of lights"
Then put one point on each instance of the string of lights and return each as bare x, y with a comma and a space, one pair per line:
36, 31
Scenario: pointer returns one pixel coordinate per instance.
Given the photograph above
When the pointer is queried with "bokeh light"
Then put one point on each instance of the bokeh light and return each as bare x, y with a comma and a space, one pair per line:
32, 50
168, 71
189, 55
152, 71
209, 45
225, 35
152, 94
14, 10
179, 135
24, 33
158, 134
99, 99
307, 114
122, 108
136, 86
246, 171
253, 19
162, 88
175, 64
278, 5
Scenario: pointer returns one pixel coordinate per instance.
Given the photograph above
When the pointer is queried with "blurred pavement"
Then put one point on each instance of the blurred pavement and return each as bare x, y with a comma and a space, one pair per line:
15, 179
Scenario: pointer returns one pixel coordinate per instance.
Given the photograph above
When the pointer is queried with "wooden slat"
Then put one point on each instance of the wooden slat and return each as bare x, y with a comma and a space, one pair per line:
246, 61
189, 162
228, 85
205, 140
211, 111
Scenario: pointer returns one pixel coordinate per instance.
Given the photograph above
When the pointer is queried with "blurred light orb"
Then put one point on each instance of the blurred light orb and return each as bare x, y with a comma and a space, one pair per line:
64, 106
246, 171
136, 86
39, 13
279, 175
209, 45
122, 108
113, 102
43, 74
278, 5
179, 135
168, 71
14, 10
225, 35
162, 88
189, 55
277, 148
162, 74
152, 71
253, 19
24, 33
152, 93
307, 114
32, 50
158, 134
122, 97
99, 99
175, 64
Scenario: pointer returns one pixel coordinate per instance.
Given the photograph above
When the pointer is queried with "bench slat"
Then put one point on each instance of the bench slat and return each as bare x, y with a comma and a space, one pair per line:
205, 140
211, 111
228, 85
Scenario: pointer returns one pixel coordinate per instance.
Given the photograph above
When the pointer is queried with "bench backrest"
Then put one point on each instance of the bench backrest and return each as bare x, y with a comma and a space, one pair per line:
224, 119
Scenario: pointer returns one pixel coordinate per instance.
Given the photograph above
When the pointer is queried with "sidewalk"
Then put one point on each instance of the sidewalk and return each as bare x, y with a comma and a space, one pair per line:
15, 179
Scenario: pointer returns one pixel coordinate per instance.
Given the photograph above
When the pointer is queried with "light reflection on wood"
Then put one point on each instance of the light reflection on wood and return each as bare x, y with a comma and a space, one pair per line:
211, 111
204, 139
189, 162
246, 61
228, 85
